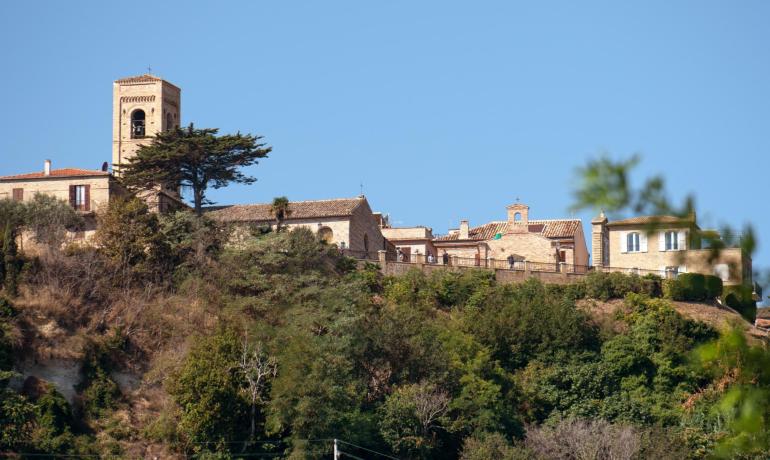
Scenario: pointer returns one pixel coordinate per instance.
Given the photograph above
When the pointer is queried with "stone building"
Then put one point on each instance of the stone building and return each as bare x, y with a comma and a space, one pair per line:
553, 243
143, 106
662, 245
410, 242
347, 222
85, 190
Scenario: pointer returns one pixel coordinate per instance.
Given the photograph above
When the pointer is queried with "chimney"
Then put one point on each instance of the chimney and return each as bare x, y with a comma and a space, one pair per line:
464, 230
47, 168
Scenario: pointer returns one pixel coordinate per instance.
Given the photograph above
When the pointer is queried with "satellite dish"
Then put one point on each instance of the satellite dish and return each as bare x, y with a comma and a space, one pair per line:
105, 166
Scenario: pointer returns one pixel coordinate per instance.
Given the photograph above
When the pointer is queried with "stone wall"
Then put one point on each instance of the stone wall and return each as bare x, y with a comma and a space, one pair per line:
59, 187
530, 246
364, 226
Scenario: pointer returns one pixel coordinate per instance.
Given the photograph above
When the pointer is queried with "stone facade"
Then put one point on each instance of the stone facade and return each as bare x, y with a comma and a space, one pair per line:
662, 245
142, 106
411, 241
88, 191
551, 241
348, 223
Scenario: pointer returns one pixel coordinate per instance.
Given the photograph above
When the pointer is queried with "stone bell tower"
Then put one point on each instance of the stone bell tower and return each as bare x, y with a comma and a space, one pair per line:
141, 107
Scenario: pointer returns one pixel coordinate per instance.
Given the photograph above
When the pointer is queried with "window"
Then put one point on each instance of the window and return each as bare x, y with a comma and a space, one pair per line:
632, 242
562, 256
169, 121
18, 194
366, 242
137, 124
517, 217
672, 241
80, 197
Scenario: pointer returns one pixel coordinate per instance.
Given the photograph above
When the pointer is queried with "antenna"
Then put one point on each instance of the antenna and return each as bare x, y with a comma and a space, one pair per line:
362, 188
149, 70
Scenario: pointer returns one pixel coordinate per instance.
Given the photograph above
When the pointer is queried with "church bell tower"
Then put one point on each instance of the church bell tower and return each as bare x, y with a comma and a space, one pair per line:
142, 106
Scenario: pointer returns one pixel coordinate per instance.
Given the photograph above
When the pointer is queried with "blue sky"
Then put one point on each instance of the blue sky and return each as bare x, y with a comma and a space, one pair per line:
443, 110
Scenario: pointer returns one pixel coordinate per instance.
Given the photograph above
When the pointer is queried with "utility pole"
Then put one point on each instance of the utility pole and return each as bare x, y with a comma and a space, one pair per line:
336, 450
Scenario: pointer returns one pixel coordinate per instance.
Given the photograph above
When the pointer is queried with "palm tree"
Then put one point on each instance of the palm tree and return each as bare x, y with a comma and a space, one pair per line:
280, 210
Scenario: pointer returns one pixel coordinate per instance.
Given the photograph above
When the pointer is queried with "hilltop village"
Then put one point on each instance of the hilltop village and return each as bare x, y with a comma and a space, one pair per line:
130, 327
145, 105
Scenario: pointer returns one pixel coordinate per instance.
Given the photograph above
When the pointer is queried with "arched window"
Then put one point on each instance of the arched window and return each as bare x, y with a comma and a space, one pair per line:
169, 121
137, 123
517, 217
326, 234
366, 242
632, 242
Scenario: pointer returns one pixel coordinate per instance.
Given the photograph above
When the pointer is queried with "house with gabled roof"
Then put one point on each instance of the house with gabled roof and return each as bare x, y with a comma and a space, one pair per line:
518, 239
348, 223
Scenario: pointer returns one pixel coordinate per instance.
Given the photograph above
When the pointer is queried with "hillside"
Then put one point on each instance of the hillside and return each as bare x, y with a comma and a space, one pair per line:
712, 313
165, 343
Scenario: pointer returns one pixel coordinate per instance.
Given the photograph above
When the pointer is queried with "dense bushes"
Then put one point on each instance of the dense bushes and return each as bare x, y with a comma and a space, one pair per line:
605, 286
693, 287
741, 299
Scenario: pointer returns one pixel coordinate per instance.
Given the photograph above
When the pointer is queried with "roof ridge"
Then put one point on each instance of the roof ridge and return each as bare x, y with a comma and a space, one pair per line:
571, 219
302, 201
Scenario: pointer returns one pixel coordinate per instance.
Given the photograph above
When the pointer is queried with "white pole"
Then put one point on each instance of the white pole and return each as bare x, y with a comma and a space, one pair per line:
336, 451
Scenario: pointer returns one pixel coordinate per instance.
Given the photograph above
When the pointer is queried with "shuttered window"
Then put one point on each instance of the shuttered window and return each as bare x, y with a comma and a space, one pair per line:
80, 197
18, 194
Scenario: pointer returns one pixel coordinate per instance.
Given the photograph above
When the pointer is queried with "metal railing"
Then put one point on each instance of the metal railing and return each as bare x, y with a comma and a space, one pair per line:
504, 264
496, 264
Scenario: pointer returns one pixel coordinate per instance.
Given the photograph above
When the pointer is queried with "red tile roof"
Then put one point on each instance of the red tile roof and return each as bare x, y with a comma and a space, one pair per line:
556, 228
297, 210
64, 172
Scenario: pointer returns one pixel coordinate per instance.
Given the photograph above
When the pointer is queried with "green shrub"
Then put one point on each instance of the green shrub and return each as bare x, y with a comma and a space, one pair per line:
652, 285
100, 396
6, 308
741, 299
714, 287
605, 286
623, 284
673, 289
598, 286
694, 285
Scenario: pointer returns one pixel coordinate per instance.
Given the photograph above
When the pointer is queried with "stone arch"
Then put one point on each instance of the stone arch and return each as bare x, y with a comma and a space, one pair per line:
138, 121
326, 234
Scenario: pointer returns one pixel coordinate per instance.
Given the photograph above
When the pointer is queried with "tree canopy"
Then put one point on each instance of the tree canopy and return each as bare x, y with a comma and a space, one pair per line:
193, 158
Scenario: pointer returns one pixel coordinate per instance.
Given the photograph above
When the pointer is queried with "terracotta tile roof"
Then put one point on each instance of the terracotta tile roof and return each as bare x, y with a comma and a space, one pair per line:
139, 79
556, 228
64, 172
297, 210
645, 220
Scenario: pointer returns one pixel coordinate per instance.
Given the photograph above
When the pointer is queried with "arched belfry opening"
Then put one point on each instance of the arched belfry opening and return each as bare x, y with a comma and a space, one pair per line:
137, 124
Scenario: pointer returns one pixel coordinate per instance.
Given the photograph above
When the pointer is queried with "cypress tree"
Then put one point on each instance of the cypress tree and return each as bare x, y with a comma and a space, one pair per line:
11, 262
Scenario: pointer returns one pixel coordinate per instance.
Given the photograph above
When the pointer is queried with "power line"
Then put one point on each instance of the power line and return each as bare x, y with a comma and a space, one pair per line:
364, 448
